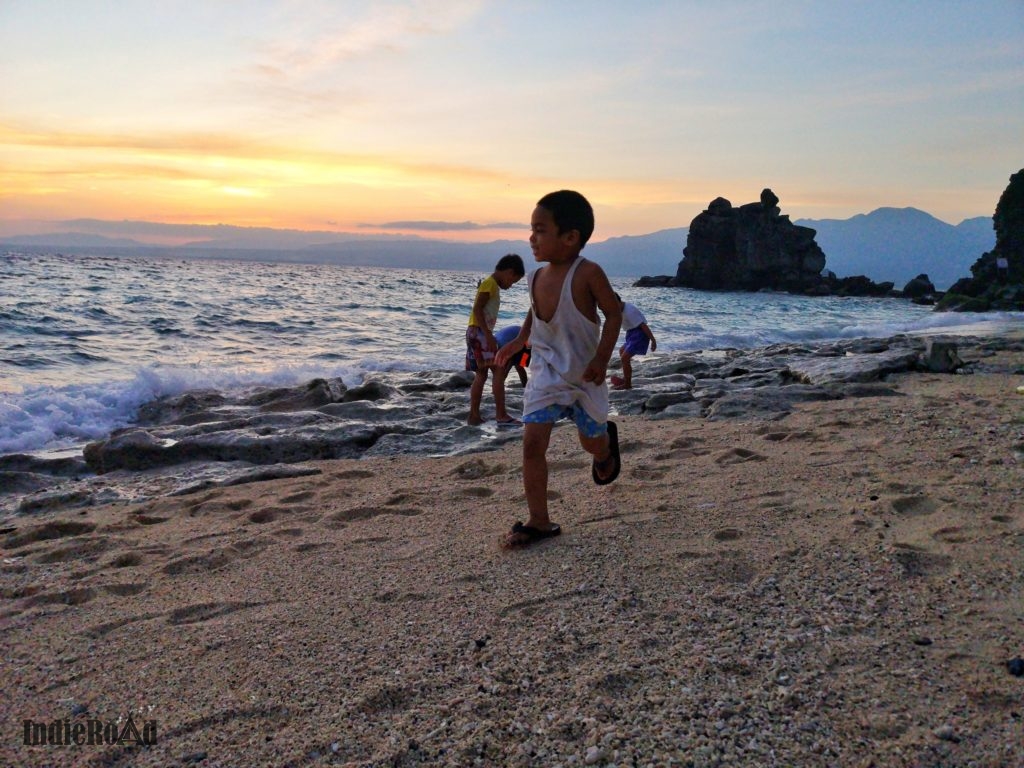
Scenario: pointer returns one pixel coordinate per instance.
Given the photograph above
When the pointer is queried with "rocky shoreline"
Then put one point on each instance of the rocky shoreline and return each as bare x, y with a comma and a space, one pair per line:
202, 439
824, 579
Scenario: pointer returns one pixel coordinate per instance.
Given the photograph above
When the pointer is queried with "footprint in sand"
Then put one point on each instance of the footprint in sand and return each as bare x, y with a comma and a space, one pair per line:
124, 590
737, 456
388, 699
213, 560
560, 465
149, 519
475, 469
309, 546
126, 560
914, 506
63, 597
195, 614
785, 437
262, 516
1002, 518
683, 448
951, 535
919, 562
476, 492
365, 513
250, 547
295, 498
726, 534
648, 473
87, 549
729, 567
400, 497
219, 508
353, 474
55, 529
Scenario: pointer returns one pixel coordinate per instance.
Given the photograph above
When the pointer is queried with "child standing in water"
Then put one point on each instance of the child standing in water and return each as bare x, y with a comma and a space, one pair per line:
481, 345
570, 353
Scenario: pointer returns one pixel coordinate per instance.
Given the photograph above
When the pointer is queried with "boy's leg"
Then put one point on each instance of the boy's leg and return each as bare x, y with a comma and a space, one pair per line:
599, 447
535, 473
627, 369
597, 440
476, 394
498, 387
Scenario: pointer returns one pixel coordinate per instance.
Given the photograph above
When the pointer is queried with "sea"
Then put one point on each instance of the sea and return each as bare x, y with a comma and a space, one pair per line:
87, 339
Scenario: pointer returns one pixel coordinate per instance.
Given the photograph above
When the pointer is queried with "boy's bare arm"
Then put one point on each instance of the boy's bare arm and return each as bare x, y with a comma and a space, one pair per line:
605, 299
481, 318
650, 335
517, 343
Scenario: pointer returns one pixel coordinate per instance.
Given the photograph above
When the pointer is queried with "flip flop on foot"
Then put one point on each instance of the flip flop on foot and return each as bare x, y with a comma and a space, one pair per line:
509, 422
600, 469
525, 535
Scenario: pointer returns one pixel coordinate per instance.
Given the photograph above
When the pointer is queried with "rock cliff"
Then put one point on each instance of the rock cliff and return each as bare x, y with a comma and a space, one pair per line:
750, 248
997, 277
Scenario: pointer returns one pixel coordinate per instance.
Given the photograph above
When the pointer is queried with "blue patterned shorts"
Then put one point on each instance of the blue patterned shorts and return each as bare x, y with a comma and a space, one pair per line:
552, 413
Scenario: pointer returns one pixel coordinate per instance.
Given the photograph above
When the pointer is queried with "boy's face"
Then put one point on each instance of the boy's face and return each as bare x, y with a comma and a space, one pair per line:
506, 278
546, 242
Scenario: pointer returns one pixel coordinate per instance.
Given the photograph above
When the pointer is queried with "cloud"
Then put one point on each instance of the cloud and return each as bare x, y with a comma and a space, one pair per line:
444, 226
330, 37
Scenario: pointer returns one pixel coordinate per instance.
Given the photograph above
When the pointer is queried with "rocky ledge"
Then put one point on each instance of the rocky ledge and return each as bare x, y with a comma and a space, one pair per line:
191, 442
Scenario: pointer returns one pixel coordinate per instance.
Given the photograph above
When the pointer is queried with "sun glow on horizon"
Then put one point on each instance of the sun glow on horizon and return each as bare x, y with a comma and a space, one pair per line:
447, 111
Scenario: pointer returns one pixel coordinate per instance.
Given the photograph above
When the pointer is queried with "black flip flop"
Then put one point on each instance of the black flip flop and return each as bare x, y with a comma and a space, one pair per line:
613, 446
534, 534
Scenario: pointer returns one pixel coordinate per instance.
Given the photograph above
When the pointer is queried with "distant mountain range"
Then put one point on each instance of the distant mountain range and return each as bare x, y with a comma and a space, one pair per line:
897, 244
888, 244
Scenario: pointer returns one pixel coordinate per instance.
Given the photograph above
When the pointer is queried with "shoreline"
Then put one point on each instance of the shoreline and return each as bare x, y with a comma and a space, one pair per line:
201, 439
831, 586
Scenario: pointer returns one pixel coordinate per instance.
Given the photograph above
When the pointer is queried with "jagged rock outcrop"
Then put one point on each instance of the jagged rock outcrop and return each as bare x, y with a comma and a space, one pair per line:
997, 277
750, 248
755, 247
920, 290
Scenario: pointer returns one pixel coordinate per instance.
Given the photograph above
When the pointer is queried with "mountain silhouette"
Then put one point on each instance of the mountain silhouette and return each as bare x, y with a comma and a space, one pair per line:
888, 244
897, 244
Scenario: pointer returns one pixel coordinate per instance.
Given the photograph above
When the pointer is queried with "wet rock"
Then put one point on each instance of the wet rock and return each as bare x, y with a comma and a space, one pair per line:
23, 482
941, 357
854, 367
44, 502
919, 287
249, 475
56, 467
316, 393
174, 408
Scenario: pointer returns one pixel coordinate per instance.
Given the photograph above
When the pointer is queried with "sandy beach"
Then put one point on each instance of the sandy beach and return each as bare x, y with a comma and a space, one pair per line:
842, 586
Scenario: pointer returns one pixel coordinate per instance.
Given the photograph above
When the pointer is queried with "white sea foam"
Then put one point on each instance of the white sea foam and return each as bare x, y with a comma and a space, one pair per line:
87, 340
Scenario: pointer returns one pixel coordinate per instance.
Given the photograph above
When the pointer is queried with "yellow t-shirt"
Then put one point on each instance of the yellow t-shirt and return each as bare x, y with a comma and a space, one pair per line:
490, 286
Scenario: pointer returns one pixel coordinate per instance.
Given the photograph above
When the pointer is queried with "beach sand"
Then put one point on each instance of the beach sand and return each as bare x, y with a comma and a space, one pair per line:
840, 587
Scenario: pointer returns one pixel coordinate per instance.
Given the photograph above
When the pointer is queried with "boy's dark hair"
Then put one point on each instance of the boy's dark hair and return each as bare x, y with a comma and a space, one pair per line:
511, 261
570, 210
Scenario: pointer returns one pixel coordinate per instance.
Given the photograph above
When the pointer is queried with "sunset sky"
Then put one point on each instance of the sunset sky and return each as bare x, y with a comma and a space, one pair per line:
451, 117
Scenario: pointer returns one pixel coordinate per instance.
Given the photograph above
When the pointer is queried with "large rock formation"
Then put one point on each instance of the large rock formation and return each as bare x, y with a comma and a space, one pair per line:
751, 248
997, 281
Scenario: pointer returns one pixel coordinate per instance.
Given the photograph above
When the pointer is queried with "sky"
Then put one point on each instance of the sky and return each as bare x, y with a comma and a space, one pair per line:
450, 118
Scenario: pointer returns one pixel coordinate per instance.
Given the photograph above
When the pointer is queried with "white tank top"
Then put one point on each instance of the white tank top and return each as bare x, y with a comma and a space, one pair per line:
560, 351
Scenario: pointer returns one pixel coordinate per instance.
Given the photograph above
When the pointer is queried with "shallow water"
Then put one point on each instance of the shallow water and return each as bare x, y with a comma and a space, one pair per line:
87, 340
